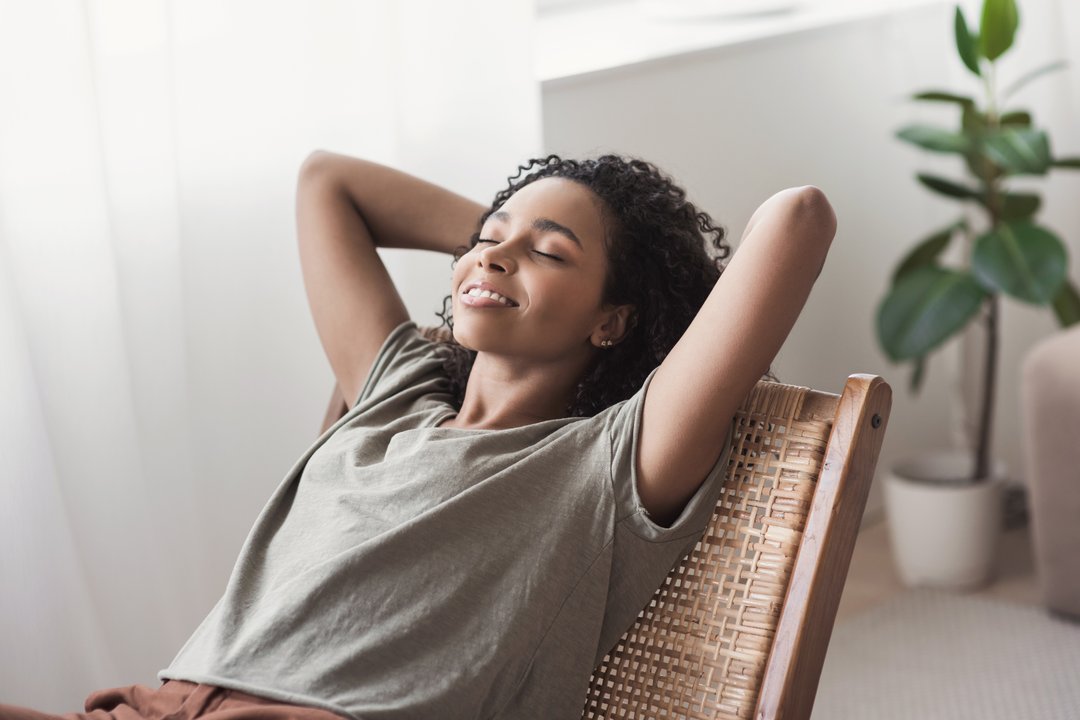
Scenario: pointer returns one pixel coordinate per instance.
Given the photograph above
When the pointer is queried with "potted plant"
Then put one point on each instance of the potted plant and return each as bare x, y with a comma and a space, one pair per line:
944, 509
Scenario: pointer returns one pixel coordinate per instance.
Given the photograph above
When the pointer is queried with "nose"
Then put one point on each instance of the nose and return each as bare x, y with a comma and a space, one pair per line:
496, 258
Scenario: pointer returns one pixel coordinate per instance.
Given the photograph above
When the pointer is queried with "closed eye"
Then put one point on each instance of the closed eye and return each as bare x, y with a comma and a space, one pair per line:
544, 254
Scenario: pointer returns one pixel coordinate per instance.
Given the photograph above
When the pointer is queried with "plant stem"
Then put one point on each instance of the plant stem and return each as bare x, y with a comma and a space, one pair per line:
981, 466
986, 414
991, 103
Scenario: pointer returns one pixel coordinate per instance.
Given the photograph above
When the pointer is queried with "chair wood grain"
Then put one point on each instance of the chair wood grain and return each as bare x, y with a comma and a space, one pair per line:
791, 677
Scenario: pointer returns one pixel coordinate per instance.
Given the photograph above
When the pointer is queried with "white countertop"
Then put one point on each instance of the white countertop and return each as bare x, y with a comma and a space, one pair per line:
579, 40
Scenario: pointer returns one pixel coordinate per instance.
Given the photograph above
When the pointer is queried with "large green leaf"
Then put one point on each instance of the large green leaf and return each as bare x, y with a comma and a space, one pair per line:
947, 187
923, 309
935, 139
1028, 77
1018, 206
1020, 259
1016, 118
927, 250
998, 28
975, 122
1069, 162
975, 126
966, 44
1019, 150
981, 167
943, 96
972, 121
1067, 304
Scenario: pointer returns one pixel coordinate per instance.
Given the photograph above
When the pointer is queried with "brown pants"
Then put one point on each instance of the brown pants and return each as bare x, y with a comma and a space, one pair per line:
176, 700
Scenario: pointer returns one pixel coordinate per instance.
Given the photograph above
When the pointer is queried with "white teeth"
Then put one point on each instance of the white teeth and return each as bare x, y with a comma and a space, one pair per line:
477, 292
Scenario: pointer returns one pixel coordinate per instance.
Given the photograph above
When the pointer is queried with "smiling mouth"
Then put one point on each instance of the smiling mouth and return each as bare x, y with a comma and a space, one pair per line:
477, 294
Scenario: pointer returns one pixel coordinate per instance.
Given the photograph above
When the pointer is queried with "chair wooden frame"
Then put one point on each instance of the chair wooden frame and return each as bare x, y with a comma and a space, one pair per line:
779, 546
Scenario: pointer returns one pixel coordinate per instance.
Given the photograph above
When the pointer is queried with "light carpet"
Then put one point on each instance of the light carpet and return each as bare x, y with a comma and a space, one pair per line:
929, 654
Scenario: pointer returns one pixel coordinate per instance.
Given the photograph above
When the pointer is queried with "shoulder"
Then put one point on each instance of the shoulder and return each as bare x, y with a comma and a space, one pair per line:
407, 359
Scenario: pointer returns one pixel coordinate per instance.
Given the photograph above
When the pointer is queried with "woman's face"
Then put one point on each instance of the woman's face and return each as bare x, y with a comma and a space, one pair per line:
543, 252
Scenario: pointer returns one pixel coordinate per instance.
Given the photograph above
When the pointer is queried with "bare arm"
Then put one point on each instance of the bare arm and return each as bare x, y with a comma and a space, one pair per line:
693, 397
345, 208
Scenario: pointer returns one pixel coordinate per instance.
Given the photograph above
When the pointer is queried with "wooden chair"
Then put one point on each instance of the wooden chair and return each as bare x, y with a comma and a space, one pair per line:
740, 627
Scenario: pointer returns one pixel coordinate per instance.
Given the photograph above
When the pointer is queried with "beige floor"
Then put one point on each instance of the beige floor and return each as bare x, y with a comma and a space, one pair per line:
872, 577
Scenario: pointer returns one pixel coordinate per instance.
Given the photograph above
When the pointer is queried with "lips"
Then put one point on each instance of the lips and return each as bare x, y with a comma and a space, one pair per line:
485, 290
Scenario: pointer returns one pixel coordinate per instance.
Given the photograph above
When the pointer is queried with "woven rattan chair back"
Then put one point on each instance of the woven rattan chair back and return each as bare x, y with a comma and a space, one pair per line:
740, 627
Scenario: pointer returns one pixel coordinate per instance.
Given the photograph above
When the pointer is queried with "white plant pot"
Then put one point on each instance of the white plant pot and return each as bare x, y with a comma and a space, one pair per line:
944, 534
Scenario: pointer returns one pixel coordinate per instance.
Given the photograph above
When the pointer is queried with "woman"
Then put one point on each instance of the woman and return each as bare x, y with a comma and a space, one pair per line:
494, 510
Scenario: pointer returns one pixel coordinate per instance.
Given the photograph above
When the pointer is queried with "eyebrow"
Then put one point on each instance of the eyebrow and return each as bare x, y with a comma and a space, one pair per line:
543, 224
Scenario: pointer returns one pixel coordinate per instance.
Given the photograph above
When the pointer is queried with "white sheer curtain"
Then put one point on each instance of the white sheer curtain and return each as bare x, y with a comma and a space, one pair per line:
159, 370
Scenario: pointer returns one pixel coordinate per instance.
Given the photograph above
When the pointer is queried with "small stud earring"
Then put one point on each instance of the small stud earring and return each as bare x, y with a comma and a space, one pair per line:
606, 343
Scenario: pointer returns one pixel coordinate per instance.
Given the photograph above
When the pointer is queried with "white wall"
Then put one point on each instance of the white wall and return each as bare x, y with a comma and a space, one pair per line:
821, 107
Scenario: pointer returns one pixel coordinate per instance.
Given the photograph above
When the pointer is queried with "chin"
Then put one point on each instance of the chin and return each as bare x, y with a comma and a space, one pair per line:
460, 339
480, 339
470, 337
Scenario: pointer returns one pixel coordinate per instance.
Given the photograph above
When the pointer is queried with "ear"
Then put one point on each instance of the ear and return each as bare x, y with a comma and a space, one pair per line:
614, 324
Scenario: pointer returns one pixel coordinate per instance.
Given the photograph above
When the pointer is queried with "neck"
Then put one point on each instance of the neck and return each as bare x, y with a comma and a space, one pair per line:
503, 393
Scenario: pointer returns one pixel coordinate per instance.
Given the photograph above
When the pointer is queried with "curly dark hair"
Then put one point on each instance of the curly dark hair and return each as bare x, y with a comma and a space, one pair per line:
657, 261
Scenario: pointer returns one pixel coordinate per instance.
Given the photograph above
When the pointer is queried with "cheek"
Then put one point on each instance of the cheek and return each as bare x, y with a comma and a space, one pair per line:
458, 274
564, 307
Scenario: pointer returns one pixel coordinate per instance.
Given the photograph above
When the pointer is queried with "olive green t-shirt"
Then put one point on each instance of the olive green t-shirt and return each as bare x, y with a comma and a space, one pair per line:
402, 570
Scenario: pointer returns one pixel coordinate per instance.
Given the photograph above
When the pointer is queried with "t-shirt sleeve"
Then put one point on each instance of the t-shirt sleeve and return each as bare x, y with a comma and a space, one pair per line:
624, 431
644, 552
406, 360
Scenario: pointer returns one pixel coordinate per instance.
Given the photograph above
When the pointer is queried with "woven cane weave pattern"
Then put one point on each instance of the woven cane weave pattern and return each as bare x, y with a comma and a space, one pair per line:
698, 651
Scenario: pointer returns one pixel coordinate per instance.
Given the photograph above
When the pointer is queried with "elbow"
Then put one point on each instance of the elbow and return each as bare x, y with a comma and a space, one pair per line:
818, 212
819, 220
322, 169
316, 162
